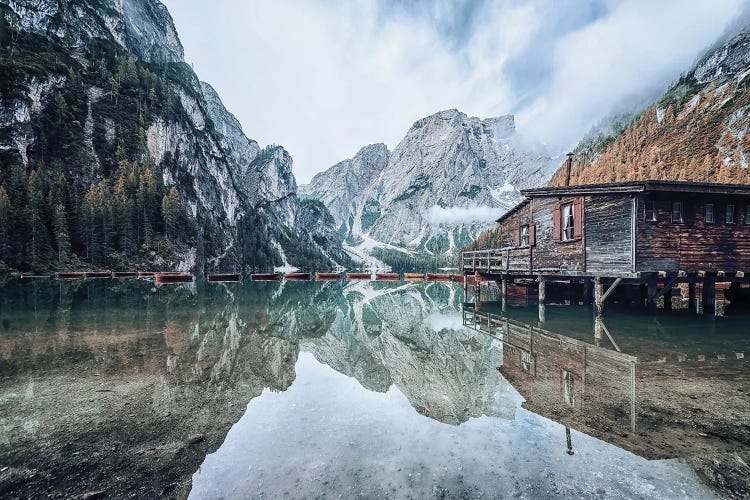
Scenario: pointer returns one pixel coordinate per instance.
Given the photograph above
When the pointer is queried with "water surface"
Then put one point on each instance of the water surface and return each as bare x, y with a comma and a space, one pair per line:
369, 390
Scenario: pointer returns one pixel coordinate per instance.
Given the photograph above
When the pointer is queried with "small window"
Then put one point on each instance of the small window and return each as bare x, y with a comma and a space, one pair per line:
709, 213
677, 211
650, 215
568, 222
730, 214
525, 235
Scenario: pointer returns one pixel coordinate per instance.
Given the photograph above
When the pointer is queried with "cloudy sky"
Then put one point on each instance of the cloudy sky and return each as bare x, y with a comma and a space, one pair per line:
326, 77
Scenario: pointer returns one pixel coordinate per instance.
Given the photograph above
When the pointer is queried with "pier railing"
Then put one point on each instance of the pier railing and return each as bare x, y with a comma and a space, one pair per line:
485, 260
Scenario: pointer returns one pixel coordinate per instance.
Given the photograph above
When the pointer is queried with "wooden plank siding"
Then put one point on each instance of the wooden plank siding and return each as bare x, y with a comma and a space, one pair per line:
693, 244
608, 229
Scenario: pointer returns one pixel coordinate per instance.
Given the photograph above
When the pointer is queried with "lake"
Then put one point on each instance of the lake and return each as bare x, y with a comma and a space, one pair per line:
117, 388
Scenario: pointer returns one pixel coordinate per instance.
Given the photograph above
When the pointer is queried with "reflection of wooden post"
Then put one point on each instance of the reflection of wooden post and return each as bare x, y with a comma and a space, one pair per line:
692, 300
598, 331
633, 416
569, 442
668, 299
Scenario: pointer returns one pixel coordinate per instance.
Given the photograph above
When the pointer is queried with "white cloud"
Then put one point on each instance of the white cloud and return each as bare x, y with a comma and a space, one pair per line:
439, 322
462, 215
324, 78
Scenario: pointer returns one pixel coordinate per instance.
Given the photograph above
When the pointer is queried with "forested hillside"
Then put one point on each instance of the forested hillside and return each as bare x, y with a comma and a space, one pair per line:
110, 155
697, 131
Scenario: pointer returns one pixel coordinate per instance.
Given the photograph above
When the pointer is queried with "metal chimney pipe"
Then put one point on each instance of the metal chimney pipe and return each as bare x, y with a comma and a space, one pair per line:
568, 167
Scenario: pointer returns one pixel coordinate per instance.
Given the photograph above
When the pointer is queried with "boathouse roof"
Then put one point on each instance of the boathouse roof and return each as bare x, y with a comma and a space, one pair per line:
629, 187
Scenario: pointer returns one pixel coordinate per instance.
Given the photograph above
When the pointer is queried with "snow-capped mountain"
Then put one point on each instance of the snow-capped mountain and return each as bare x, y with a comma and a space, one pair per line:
448, 179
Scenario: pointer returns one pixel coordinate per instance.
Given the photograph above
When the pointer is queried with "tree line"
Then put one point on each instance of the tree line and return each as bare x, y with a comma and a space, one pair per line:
47, 222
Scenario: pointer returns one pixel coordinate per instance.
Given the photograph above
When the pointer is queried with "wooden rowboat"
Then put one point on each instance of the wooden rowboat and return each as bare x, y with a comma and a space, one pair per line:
298, 276
97, 274
327, 276
387, 276
438, 277
69, 276
266, 277
125, 274
224, 277
168, 279
358, 276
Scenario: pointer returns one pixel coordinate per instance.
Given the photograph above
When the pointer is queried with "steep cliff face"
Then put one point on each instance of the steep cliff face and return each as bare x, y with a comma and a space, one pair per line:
696, 131
143, 28
443, 183
95, 94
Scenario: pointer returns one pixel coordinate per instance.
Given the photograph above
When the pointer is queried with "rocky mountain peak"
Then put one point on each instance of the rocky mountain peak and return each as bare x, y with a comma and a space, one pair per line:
144, 28
459, 167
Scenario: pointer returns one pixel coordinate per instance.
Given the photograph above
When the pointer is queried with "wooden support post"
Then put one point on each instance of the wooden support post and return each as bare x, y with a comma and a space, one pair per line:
598, 294
503, 293
709, 294
692, 300
651, 296
542, 299
586, 291
598, 331
644, 295
668, 299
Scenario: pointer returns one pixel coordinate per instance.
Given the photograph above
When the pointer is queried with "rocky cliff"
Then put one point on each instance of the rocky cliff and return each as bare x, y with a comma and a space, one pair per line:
444, 182
96, 95
696, 131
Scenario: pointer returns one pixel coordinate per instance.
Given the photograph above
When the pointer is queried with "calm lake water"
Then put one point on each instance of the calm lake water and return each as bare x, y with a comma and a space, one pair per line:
361, 390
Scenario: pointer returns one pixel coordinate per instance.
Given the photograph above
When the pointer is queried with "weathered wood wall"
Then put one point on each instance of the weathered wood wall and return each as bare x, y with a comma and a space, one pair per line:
608, 230
693, 244
546, 254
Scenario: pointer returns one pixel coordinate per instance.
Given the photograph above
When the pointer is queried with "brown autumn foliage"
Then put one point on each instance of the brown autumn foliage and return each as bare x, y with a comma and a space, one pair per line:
702, 137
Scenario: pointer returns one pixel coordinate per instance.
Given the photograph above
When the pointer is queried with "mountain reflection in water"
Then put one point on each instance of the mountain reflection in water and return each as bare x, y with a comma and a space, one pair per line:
310, 389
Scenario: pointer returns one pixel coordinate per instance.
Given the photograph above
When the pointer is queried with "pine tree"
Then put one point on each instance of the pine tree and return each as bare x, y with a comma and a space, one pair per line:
62, 237
39, 245
177, 226
4, 225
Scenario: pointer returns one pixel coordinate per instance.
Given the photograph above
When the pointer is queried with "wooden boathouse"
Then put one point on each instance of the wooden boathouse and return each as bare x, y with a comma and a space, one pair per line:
639, 233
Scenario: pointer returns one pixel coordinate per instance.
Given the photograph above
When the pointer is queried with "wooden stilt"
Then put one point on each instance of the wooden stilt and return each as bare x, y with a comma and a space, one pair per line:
668, 300
542, 299
692, 300
709, 294
651, 296
503, 293
598, 297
